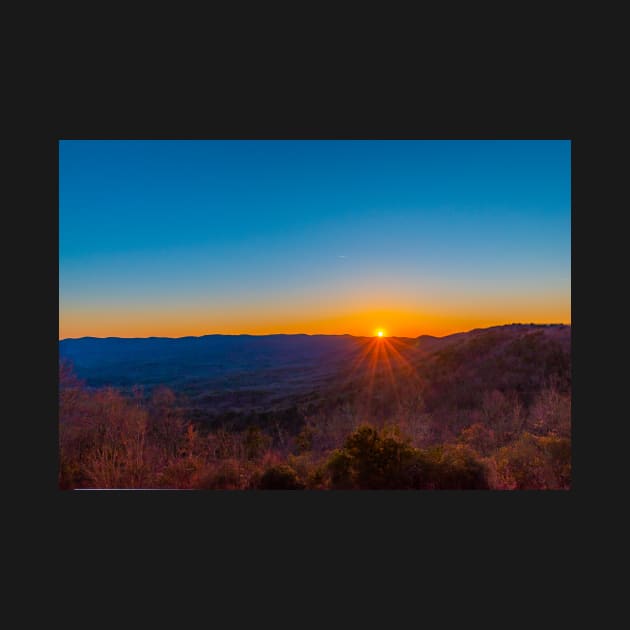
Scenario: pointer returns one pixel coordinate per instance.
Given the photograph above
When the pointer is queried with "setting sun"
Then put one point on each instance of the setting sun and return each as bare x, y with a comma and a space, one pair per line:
222, 308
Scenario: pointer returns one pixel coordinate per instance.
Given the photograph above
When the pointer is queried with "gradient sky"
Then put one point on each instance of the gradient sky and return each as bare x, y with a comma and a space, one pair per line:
175, 238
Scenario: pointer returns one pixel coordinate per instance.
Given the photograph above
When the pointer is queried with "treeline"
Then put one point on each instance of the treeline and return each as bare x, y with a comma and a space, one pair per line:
108, 440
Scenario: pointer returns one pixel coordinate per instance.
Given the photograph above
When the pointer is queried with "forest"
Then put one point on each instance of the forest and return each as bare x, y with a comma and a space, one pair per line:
487, 409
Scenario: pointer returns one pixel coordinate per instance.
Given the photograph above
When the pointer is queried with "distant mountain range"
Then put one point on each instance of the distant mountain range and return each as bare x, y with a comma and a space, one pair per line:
240, 373
120, 361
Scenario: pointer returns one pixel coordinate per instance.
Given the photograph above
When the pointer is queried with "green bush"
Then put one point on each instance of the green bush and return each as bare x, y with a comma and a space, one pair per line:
340, 467
374, 461
455, 467
379, 461
280, 477
317, 479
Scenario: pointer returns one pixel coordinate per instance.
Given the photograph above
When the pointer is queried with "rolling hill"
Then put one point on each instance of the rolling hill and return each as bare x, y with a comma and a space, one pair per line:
244, 378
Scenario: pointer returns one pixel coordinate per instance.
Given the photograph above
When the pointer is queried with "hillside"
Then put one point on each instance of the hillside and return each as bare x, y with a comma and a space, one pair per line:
485, 408
119, 361
244, 377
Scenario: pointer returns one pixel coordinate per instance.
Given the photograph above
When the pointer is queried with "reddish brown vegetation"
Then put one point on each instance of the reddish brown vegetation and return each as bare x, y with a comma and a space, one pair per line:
108, 440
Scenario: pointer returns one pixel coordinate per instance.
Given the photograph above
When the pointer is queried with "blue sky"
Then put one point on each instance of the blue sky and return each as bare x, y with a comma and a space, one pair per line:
195, 237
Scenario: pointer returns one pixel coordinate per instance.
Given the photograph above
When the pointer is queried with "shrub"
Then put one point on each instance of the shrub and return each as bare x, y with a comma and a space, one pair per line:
307, 467
551, 413
380, 461
70, 474
304, 439
558, 452
479, 437
340, 467
177, 475
256, 443
373, 460
317, 479
535, 463
281, 477
116, 457
456, 467
227, 475
166, 427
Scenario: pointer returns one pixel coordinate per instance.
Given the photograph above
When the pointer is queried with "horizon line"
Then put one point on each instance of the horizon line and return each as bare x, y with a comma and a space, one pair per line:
313, 334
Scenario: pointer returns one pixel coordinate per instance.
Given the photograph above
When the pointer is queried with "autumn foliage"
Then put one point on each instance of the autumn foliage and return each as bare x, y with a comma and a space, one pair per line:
111, 440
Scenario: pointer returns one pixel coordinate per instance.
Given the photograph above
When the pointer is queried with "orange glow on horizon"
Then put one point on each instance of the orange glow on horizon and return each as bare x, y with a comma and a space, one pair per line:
190, 320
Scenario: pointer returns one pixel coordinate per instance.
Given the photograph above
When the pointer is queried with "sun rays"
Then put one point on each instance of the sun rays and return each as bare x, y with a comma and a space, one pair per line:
380, 357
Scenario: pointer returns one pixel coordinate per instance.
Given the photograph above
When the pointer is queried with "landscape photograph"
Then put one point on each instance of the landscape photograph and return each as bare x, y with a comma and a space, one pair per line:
314, 315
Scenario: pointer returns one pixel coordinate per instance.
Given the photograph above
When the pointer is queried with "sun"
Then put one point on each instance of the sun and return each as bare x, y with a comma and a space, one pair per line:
380, 333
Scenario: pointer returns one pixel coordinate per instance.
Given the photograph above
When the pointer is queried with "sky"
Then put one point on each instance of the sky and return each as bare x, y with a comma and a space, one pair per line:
176, 238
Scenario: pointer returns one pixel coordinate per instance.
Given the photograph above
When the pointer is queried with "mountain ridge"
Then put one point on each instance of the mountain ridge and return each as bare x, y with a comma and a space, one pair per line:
222, 377
250, 335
